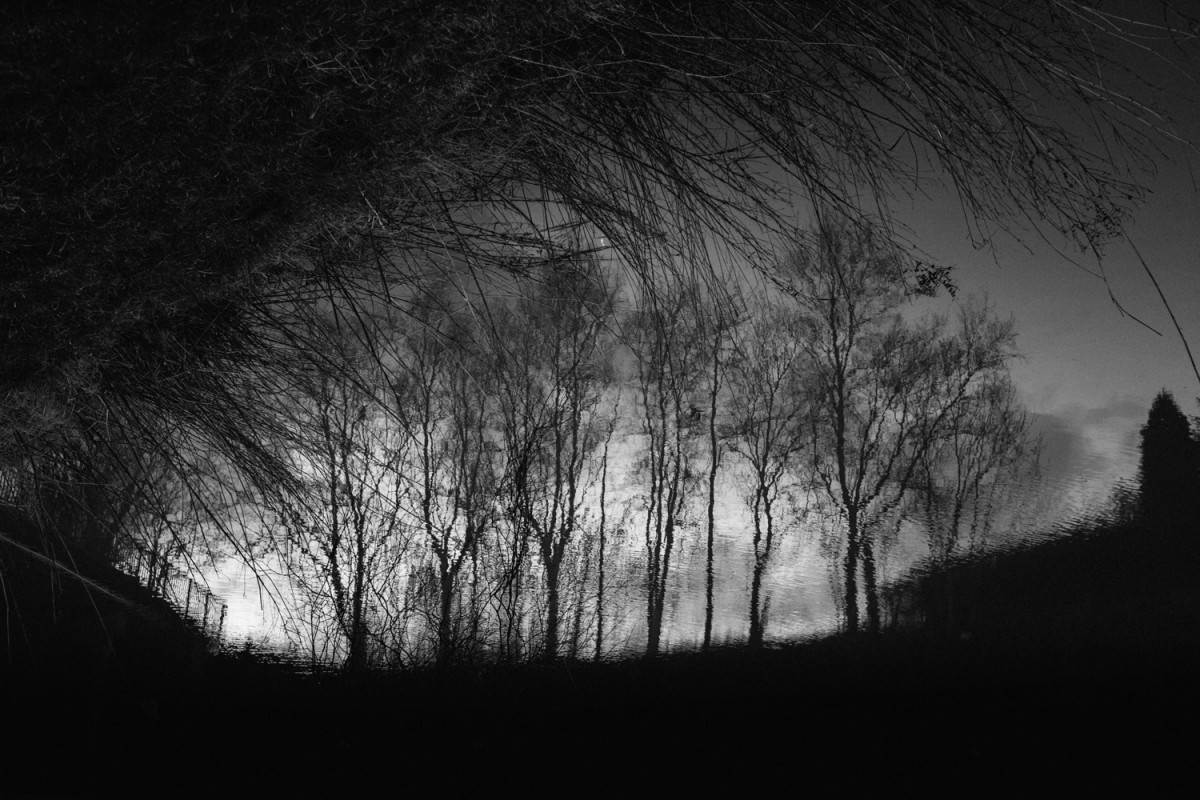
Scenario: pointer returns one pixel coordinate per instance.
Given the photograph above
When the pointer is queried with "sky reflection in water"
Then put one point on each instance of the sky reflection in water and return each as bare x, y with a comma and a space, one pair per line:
1083, 460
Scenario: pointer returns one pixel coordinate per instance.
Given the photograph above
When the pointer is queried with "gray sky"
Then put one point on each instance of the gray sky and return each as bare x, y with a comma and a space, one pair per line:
1090, 373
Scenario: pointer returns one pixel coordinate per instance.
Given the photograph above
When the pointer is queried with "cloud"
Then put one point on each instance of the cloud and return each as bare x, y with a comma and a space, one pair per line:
1117, 410
1087, 451
1063, 443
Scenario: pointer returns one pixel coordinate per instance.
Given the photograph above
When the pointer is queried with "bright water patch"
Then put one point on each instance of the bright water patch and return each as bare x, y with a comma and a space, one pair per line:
802, 582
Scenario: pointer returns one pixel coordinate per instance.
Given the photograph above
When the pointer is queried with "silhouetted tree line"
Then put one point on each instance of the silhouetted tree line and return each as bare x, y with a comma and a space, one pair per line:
451, 461
472, 467
283, 283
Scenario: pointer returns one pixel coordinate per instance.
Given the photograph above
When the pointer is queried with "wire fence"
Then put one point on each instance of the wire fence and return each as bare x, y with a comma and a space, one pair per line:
190, 599
152, 569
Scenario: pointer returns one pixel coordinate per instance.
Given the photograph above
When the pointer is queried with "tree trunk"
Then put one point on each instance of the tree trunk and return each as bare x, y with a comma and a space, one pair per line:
577, 617
870, 584
600, 561
653, 624
658, 596
660, 591
709, 578
756, 624
852, 574
445, 644
552, 601
760, 562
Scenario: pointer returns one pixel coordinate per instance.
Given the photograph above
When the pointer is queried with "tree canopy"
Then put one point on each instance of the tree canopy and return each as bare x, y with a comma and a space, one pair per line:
1170, 464
168, 165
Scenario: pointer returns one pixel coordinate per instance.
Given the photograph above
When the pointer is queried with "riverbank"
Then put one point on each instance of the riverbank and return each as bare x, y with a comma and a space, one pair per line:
828, 716
1079, 670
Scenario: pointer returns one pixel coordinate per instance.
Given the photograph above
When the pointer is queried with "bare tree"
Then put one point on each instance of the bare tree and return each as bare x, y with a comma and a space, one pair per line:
443, 393
344, 539
884, 389
719, 334
671, 361
602, 532
553, 363
767, 428
984, 450
980, 462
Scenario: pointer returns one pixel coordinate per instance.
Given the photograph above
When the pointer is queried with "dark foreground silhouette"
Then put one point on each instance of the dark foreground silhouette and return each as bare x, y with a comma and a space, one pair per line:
1077, 670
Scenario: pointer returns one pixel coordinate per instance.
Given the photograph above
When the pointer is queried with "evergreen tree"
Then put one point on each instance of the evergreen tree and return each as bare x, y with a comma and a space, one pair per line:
1169, 463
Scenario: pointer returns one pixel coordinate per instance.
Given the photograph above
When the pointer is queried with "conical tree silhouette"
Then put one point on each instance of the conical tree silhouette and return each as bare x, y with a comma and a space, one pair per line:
1168, 470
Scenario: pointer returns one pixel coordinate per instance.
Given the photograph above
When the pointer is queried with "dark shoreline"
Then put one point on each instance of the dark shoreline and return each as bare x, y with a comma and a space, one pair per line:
1064, 683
